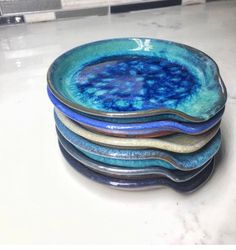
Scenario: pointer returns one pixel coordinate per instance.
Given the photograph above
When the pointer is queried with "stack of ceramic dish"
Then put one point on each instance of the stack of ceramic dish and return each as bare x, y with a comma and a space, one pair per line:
138, 113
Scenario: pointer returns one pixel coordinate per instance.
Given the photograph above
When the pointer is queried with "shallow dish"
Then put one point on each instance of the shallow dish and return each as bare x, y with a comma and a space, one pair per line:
80, 116
148, 129
179, 143
140, 158
137, 184
126, 172
136, 77
150, 133
155, 129
126, 123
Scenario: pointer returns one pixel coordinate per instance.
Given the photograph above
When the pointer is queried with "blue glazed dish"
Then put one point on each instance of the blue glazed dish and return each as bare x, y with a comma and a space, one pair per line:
128, 173
140, 158
137, 184
136, 129
76, 114
137, 77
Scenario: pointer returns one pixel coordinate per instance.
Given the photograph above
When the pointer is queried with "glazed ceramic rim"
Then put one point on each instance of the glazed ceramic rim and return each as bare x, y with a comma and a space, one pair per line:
122, 172
177, 164
160, 143
131, 114
130, 185
136, 129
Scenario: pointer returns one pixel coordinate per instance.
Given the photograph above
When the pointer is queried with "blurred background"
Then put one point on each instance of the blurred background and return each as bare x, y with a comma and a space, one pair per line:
18, 11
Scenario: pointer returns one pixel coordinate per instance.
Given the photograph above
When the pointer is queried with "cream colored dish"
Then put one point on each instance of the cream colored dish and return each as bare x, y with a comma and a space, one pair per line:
179, 143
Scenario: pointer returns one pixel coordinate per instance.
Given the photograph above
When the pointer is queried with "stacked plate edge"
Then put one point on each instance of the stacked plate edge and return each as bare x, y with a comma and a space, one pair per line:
138, 113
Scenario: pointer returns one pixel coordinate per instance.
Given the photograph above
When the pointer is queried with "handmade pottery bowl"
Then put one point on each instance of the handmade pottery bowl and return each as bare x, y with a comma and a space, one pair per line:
137, 184
138, 77
148, 129
140, 158
179, 143
126, 172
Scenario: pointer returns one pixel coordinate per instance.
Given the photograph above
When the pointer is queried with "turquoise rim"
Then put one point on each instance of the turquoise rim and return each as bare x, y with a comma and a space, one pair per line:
213, 97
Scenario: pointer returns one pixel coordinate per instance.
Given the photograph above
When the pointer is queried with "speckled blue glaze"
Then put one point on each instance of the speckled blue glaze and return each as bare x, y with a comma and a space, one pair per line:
126, 172
188, 186
135, 76
137, 128
140, 158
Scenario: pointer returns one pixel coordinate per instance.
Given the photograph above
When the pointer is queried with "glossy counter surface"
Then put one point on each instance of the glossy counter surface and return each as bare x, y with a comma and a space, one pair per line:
43, 200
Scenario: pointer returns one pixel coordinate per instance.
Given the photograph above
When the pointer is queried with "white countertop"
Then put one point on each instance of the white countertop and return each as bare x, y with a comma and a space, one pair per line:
43, 200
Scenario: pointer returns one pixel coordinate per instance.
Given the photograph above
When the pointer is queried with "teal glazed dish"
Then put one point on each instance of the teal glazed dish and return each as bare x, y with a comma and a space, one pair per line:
138, 77
126, 172
140, 158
